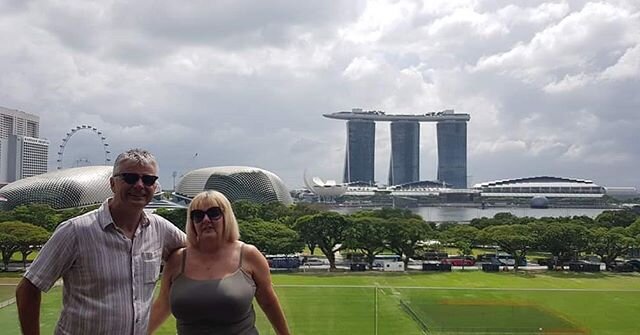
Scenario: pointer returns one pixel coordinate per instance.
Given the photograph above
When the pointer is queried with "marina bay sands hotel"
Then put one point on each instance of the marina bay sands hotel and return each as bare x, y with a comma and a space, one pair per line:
405, 146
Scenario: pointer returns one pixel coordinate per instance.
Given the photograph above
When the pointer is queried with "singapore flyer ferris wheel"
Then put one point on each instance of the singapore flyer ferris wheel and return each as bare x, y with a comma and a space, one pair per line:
65, 141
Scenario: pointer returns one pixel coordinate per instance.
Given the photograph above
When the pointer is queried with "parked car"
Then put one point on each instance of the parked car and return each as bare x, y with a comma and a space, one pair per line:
635, 263
625, 266
315, 262
381, 259
502, 259
283, 261
459, 261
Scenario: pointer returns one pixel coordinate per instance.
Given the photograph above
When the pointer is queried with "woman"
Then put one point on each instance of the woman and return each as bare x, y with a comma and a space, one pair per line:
209, 285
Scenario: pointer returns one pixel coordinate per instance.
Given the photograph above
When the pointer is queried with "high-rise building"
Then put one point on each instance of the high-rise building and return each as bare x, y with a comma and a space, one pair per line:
15, 122
404, 166
22, 153
405, 145
360, 152
28, 156
452, 153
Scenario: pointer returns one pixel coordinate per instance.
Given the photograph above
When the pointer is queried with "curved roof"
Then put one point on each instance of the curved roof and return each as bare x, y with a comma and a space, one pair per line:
421, 184
236, 183
68, 188
535, 180
327, 188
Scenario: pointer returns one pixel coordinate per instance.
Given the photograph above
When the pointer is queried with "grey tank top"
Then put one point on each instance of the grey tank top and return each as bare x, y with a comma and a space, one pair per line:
217, 306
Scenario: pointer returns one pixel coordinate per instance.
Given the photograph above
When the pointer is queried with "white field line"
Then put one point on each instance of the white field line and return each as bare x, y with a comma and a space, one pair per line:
461, 288
12, 301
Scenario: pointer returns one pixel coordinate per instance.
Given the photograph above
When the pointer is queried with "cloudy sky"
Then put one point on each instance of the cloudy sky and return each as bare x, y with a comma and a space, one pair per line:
552, 87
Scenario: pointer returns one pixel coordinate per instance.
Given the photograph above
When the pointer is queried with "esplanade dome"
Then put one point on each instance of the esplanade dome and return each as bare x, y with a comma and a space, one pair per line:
60, 189
236, 183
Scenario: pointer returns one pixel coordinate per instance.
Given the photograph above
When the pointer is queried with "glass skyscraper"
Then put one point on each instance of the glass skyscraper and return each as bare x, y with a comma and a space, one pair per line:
360, 151
452, 153
404, 166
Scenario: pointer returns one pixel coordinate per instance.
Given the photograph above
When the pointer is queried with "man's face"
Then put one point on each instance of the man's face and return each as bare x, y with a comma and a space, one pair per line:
136, 195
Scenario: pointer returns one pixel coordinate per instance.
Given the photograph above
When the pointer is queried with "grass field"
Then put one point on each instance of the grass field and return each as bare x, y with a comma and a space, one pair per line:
444, 303
7, 292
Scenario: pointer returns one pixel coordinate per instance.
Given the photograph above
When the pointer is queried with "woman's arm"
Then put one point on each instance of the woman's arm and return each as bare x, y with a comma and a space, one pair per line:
161, 309
265, 295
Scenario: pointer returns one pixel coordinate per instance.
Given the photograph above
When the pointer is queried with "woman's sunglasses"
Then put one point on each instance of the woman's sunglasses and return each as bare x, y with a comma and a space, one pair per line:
213, 213
132, 178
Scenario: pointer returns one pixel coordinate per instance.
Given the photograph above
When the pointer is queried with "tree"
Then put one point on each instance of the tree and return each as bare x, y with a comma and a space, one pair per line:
301, 209
609, 244
404, 236
8, 246
505, 217
621, 218
388, 213
502, 218
515, 239
367, 235
463, 237
273, 211
564, 240
327, 230
270, 238
177, 216
297, 211
246, 210
634, 229
482, 223
583, 220
20, 237
38, 214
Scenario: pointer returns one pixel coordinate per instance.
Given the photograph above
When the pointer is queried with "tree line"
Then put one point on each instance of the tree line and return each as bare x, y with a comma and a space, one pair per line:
278, 229
25, 229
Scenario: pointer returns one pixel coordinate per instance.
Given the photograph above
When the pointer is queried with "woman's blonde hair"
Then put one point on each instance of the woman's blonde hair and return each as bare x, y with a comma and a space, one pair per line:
206, 200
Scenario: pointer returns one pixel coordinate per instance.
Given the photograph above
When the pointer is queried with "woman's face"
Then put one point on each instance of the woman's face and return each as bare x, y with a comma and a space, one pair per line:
207, 220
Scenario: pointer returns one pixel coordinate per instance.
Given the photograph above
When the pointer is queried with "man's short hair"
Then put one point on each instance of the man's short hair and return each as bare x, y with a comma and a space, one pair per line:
140, 156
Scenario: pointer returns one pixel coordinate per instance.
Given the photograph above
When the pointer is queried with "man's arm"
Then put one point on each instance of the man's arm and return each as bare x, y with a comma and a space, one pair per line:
161, 308
172, 237
54, 259
28, 298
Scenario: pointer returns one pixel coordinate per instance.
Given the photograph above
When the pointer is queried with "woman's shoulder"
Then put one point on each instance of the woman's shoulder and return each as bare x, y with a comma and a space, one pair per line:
249, 249
250, 253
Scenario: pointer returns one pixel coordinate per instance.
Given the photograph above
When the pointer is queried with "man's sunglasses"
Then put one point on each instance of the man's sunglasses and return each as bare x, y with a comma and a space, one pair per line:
132, 178
213, 213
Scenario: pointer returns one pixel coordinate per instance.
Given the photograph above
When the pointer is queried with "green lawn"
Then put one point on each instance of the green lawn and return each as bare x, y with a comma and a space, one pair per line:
7, 292
17, 256
443, 303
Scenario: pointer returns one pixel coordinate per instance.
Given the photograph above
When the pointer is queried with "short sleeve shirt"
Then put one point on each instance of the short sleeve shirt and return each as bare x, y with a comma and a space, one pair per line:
108, 279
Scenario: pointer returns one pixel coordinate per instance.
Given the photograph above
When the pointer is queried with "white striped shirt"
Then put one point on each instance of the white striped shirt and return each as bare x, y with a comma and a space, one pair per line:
108, 278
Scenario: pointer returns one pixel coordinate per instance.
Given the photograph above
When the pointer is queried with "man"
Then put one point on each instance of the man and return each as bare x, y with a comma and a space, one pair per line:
109, 259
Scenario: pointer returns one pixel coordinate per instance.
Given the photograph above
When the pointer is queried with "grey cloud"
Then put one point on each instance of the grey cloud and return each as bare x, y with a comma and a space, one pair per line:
551, 86
234, 24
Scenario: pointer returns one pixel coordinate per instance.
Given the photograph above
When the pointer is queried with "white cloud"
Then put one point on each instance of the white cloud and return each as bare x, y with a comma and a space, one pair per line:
360, 67
551, 86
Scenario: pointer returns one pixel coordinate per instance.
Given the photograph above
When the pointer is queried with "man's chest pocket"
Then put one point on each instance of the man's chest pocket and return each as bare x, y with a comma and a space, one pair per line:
151, 265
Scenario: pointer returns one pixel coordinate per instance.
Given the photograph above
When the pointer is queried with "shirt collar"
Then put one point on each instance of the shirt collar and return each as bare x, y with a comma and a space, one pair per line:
105, 219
